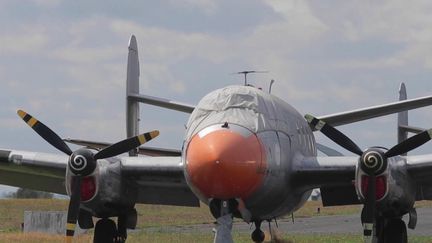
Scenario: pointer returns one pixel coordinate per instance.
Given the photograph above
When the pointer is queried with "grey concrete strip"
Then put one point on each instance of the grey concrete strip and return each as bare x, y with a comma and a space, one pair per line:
340, 224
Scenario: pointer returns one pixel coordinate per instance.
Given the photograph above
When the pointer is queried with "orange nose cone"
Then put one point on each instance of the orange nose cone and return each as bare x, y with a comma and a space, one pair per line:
225, 164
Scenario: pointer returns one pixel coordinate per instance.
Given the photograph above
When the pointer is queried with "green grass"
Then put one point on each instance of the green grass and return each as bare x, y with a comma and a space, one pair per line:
12, 211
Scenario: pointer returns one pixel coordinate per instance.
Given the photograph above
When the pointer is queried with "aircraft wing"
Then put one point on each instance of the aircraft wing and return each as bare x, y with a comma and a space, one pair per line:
160, 180
420, 169
157, 180
333, 175
37, 171
325, 171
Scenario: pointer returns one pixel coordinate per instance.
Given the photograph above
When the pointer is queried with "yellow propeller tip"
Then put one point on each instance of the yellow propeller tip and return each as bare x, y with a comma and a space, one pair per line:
21, 113
154, 133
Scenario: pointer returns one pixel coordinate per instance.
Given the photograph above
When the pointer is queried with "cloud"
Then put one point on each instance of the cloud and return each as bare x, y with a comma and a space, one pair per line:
87, 54
160, 44
47, 3
325, 58
390, 22
207, 6
10, 123
27, 41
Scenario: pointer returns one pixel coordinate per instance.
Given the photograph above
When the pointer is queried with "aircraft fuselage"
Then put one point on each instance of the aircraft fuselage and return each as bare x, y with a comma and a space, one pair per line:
241, 143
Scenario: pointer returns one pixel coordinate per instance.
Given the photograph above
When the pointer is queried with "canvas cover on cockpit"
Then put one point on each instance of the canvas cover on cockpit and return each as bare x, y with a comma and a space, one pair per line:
243, 105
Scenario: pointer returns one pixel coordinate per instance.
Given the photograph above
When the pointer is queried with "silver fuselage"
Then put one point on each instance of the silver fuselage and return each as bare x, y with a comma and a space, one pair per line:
282, 131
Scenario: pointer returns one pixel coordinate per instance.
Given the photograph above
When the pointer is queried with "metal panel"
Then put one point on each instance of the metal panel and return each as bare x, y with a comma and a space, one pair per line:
375, 111
32, 181
158, 180
339, 195
167, 196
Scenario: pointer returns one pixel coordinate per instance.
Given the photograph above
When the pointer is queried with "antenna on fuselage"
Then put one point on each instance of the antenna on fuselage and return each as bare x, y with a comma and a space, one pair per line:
271, 84
245, 73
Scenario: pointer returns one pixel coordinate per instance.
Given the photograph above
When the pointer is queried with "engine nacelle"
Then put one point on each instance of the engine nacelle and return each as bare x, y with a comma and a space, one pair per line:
89, 185
381, 185
395, 190
104, 192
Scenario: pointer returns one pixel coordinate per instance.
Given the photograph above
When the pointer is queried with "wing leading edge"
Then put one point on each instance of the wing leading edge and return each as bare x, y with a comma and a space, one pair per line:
333, 175
158, 180
37, 171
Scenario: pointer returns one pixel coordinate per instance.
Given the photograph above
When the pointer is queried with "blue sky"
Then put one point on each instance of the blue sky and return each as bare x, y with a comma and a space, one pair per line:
64, 61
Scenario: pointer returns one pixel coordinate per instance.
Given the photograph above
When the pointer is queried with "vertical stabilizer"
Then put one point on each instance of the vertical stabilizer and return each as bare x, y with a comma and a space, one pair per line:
132, 87
402, 116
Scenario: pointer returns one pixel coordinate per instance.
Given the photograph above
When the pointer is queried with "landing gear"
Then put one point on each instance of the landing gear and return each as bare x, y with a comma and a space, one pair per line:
391, 230
105, 231
395, 231
223, 212
122, 231
258, 234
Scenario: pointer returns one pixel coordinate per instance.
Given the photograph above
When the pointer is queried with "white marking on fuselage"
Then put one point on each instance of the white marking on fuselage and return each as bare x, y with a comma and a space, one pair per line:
232, 127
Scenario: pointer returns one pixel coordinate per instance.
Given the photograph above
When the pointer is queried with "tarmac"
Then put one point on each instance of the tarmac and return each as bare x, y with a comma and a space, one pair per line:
340, 224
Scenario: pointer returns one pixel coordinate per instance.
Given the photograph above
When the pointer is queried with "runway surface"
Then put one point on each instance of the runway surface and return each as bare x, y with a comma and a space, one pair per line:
314, 225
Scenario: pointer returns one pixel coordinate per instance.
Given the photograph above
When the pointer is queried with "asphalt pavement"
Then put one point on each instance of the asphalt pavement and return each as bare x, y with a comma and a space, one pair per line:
339, 224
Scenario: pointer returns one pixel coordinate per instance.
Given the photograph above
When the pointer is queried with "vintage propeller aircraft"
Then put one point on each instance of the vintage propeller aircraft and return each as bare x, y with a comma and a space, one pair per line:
246, 154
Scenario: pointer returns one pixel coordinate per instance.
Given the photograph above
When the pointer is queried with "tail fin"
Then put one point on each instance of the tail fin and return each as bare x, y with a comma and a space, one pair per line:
132, 87
402, 116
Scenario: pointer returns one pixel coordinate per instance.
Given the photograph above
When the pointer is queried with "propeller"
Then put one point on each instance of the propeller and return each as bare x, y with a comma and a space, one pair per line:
334, 134
372, 161
44, 131
82, 162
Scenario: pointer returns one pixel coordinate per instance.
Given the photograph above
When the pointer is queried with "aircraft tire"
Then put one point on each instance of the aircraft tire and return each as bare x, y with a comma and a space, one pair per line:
105, 231
258, 235
395, 231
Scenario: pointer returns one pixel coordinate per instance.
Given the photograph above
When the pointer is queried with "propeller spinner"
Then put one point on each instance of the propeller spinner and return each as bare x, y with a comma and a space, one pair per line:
82, 162
372, 161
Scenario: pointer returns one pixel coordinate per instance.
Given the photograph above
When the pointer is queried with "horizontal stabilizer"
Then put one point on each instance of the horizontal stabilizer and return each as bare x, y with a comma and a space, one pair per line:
328, 151
161, 102
375, 111
411, 129
150, 151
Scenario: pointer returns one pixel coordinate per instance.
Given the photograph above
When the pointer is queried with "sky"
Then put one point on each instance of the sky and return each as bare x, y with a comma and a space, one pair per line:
65, 62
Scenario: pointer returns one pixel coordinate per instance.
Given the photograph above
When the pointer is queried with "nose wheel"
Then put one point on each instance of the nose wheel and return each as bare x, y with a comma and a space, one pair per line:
258, 234
222, 210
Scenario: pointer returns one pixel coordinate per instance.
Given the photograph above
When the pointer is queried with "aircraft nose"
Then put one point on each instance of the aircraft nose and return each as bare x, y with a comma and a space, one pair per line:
225, 163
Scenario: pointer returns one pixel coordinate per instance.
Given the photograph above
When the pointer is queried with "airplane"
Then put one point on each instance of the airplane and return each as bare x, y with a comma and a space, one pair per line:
246, 154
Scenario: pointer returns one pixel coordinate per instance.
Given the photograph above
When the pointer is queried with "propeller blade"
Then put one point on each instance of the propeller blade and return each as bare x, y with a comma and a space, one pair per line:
334, 134
44, 131
410, 144
126, 145
369, 210
73, 210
